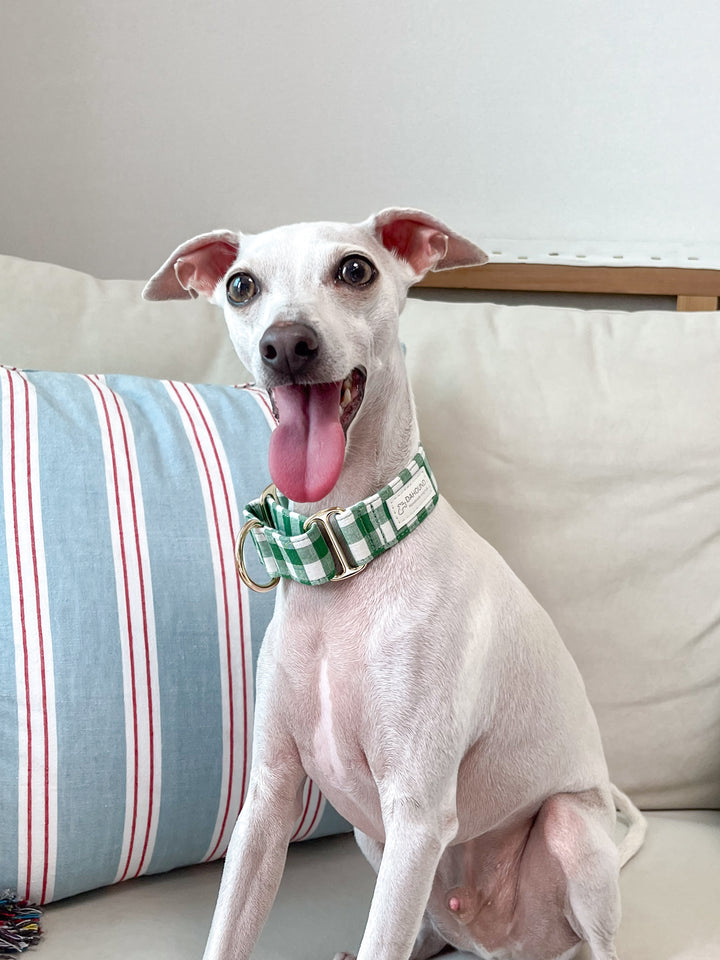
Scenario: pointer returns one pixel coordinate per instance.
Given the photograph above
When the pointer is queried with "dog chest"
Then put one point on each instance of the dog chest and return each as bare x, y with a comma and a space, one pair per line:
330, 731
325, 743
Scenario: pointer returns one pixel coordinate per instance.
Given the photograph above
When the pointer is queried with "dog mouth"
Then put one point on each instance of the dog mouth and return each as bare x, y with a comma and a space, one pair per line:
307, 449
351, 397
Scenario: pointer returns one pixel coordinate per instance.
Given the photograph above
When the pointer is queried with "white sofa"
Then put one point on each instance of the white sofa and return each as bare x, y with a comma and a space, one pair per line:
586, 447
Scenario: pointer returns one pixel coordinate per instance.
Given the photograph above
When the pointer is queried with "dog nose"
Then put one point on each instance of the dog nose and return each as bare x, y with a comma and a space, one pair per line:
287, 347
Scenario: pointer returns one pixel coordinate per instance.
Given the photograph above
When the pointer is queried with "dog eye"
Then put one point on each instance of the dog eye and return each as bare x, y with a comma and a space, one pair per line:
241, 288
356, 271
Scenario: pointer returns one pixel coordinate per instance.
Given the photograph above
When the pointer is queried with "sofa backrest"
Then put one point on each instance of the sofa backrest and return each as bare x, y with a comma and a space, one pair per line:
53, 318
584, 445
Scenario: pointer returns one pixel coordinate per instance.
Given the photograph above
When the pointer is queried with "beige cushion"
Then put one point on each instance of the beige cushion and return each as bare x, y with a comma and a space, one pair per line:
585, 446
669, 894
52, 318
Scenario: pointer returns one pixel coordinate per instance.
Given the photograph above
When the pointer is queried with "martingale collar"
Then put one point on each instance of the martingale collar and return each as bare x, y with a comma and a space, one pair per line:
338, 543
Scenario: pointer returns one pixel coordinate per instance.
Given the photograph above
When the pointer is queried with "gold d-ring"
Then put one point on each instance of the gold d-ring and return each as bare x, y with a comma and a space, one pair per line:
240, 561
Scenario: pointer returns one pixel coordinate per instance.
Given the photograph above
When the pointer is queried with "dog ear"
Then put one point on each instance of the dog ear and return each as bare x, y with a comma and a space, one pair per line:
424, 242
195, 267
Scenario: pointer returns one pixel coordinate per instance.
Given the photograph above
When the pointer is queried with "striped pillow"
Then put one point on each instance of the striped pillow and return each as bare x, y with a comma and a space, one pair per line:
127, 642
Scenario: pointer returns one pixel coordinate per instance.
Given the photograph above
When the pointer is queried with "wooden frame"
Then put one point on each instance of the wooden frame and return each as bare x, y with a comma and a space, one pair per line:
694, 289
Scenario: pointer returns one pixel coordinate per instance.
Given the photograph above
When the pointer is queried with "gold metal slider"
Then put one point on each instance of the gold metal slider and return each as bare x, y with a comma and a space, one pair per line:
343, 568
269, 493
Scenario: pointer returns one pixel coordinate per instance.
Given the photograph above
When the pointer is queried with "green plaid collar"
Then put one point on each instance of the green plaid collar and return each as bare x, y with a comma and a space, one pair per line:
337, 543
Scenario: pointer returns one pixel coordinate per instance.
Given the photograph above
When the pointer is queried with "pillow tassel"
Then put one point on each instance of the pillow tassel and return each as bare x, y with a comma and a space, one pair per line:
19, 925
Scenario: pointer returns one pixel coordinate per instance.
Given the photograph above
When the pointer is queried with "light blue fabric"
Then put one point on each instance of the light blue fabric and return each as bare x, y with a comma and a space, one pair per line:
67, 712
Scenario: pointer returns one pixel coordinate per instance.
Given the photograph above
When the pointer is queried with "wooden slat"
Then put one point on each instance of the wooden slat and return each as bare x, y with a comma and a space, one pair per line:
653, 281
697, 303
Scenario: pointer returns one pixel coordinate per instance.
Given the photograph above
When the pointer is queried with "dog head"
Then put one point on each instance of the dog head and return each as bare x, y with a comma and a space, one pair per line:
312, 312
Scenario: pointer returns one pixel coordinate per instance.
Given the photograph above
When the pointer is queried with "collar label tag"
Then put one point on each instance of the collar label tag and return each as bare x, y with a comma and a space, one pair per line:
405, 505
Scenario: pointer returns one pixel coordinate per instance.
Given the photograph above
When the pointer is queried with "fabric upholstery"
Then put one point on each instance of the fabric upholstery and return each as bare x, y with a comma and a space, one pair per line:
669, 897
127, 642
585, 446
59, 319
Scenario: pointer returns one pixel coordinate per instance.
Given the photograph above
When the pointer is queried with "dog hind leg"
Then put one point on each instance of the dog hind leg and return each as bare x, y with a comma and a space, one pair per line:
577, 834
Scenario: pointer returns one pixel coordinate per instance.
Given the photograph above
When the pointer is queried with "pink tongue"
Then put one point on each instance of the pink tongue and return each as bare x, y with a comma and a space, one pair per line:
307, 448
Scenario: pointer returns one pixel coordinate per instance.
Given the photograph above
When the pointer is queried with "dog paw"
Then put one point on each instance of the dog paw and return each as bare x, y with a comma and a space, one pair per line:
344, 956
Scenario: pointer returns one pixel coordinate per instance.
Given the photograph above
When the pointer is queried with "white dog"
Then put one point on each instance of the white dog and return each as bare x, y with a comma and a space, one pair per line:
430, 697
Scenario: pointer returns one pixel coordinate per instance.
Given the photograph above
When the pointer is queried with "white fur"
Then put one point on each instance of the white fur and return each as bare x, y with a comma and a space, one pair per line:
325, 745
430, 697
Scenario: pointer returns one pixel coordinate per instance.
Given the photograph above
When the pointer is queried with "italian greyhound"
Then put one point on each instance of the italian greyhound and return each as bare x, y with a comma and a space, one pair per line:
430, 696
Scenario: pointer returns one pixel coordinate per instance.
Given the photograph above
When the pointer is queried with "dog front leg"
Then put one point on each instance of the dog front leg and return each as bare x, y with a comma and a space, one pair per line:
416, 836
255, 861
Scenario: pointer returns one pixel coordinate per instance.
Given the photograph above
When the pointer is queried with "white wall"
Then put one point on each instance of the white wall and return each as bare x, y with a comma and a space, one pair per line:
586, 127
